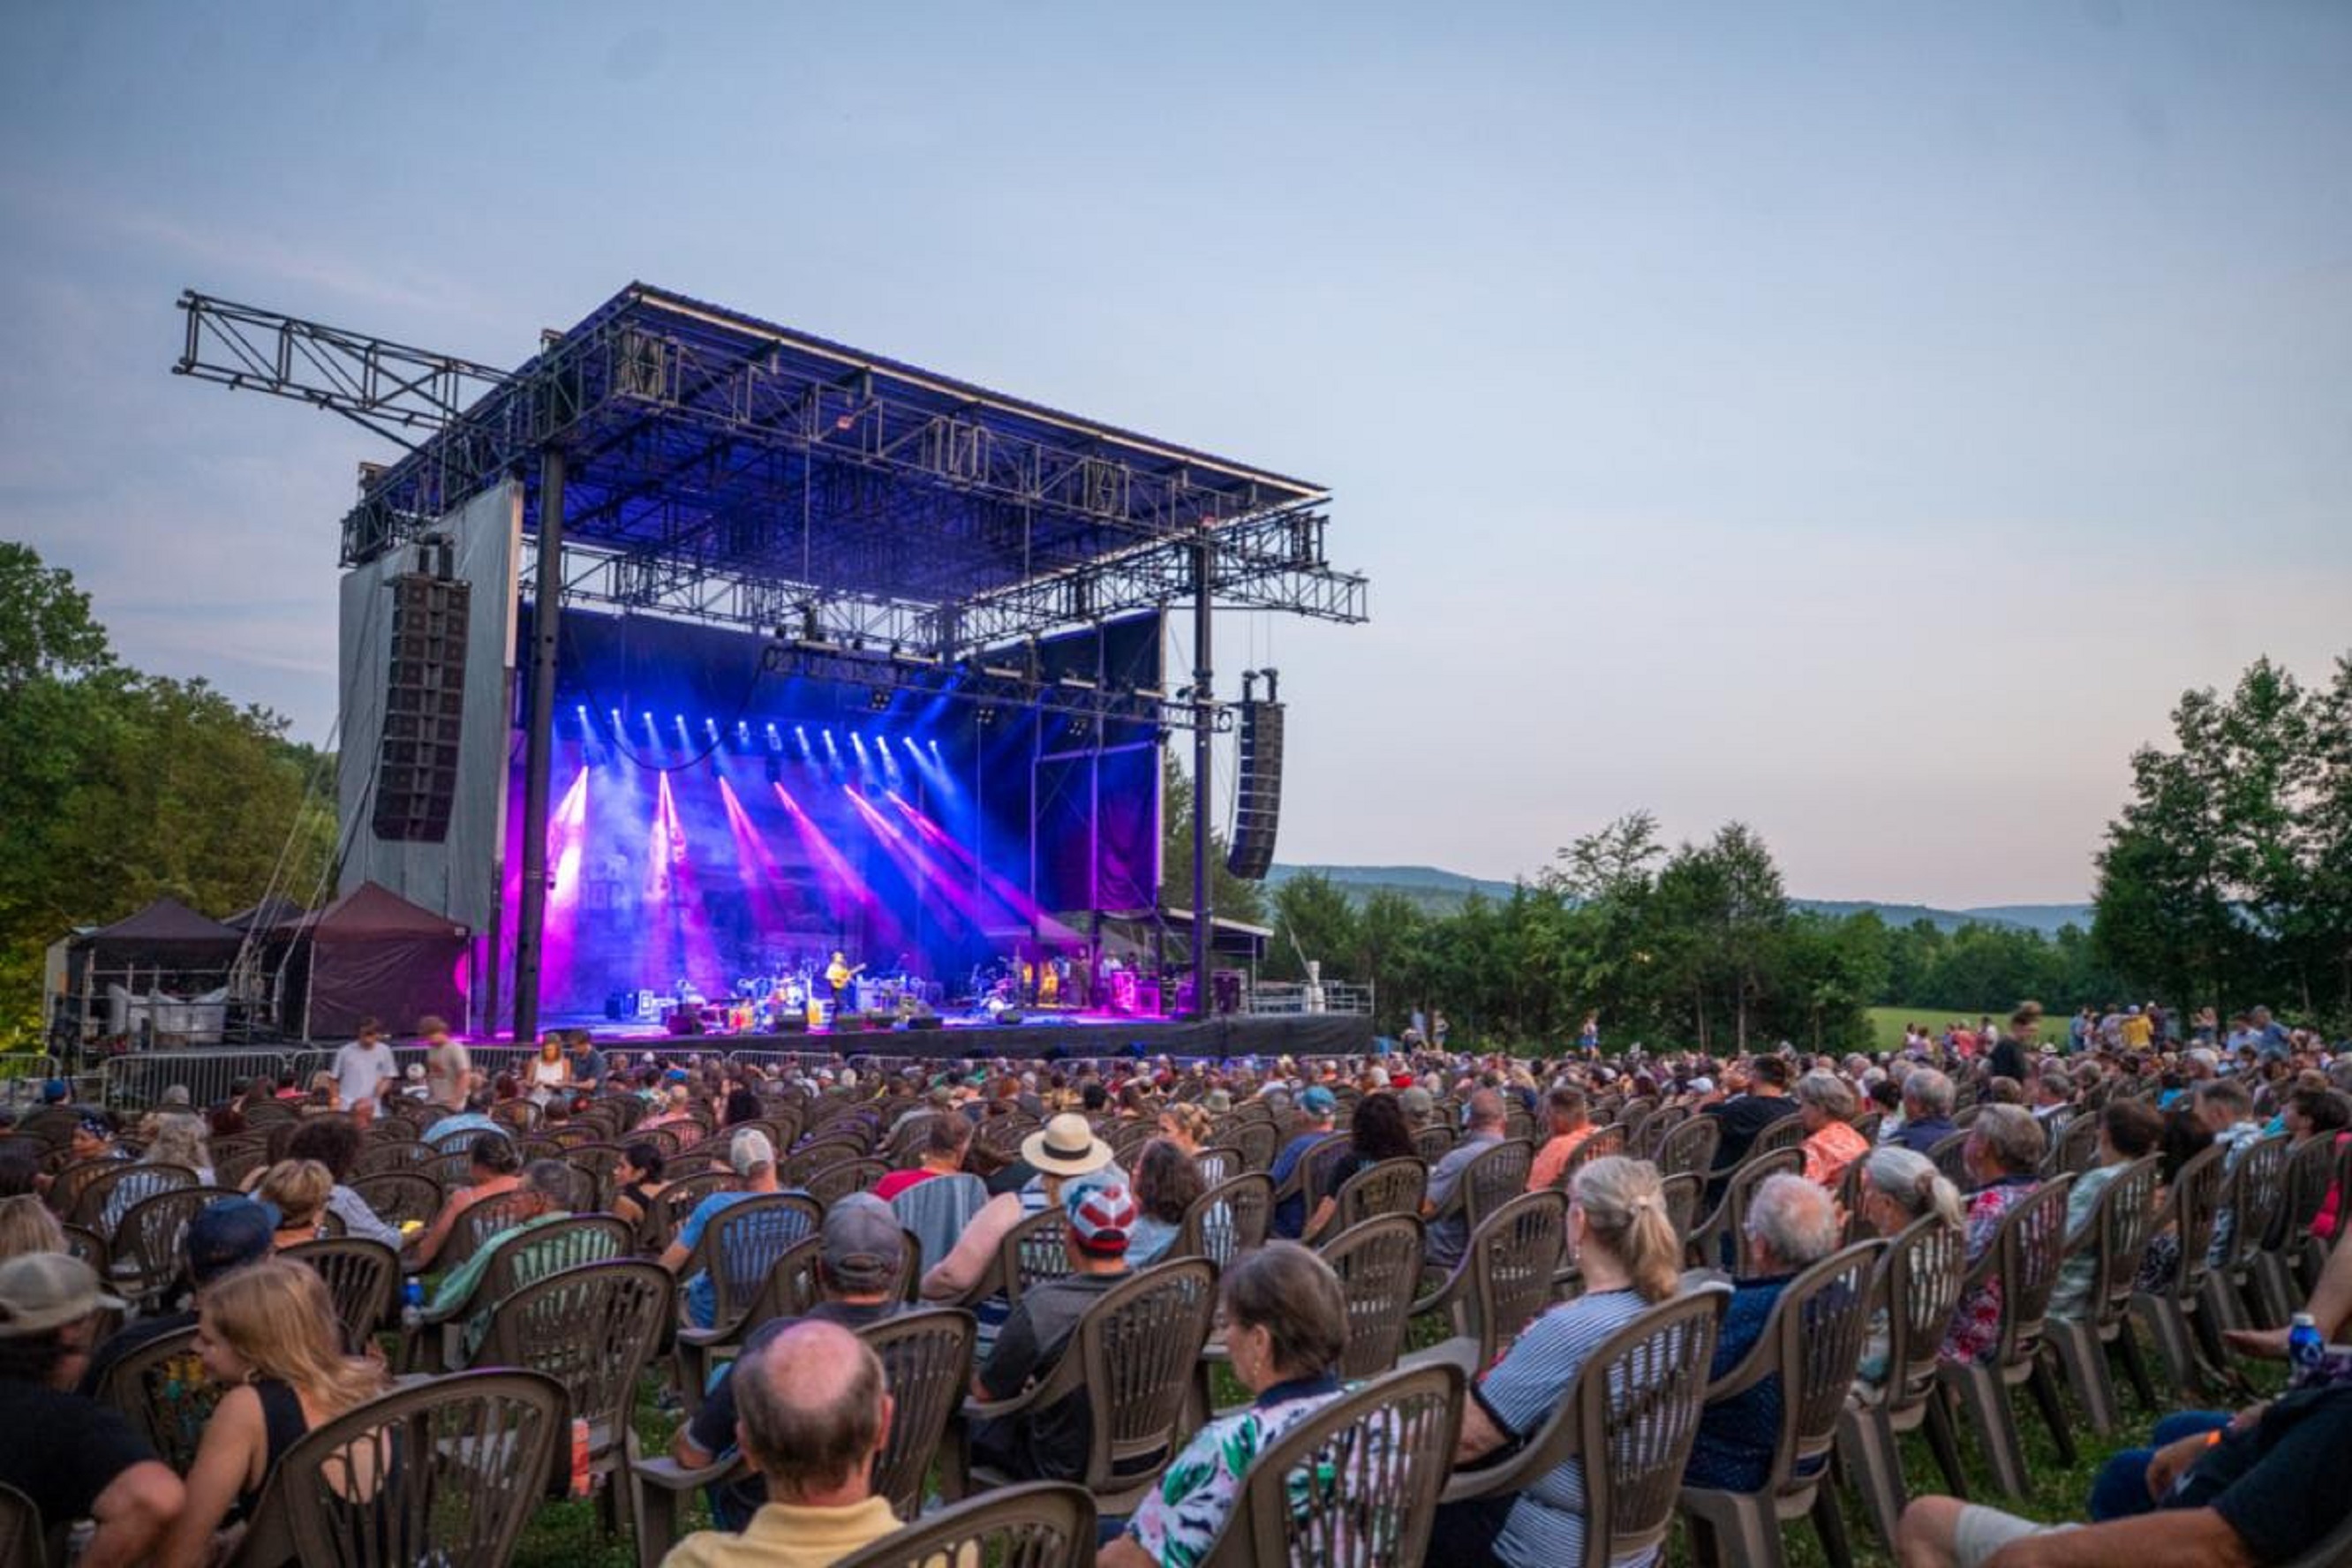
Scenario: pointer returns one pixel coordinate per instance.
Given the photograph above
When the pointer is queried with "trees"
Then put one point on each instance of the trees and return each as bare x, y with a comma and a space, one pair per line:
2222, 881
118, 787
1235, 898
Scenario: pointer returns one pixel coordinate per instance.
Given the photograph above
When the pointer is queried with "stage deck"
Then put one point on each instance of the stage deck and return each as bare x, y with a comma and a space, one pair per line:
1050, 1036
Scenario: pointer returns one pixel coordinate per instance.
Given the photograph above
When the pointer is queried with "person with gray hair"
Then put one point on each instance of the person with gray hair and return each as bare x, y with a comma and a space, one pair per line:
1827, 1107
550, 1189
1791, 1225
813, 1411
1449, 1234
1928, 1101
2003, 1155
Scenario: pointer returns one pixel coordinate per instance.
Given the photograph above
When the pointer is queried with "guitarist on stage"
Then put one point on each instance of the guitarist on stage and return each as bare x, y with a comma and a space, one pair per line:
838, 974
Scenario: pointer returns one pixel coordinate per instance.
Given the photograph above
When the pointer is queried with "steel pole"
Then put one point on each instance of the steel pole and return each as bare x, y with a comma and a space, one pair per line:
538, 744
1203, 715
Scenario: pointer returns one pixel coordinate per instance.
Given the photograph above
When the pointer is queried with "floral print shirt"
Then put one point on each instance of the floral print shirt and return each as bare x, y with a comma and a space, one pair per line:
1976, 1324
1178, 1523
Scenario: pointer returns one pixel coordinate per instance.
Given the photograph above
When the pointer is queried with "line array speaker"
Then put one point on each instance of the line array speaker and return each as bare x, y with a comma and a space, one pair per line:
1258, 791
424, 709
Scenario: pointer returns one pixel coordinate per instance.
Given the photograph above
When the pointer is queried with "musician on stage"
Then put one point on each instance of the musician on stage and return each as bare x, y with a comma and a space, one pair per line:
838, 974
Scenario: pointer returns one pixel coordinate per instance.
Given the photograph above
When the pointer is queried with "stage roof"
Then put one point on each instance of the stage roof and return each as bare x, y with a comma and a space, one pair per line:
722, 467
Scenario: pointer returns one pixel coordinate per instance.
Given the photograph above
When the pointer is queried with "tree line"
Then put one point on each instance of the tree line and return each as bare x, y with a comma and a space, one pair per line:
118, 787
2225, 881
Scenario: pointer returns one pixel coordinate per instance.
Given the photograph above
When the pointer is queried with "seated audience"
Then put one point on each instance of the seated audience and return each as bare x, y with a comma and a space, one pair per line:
496, 1166
636, 1181
1831, 1143
223, 1237
1378, 1132
334, 1141
1928, 1099
814, 1412
1064, 1147
1791, 1225
269, 1335
1051, 1444
27, 1226
1286, 1325
858, 1263
73, 1457
2129, 1130
1319, 1112
1569, 1123
299, 1191
752, 1157
1448, 1235
2003, 1155
1625, 1245
1166, 1183
945, 1140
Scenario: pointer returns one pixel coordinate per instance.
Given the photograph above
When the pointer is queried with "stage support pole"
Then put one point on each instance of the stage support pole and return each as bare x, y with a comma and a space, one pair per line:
539, 744
1204, 734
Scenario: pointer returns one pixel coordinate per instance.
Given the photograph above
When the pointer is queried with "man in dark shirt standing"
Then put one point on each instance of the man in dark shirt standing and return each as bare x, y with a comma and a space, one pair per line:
74, 1458
2013, 1050
1051, 1444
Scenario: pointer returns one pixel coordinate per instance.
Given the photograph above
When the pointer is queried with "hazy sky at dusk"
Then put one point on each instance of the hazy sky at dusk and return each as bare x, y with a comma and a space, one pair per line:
1861, 420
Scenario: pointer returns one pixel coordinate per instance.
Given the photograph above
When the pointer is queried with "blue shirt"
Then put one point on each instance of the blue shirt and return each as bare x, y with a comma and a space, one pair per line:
1545, 1525
1736, 1436
1290, 1214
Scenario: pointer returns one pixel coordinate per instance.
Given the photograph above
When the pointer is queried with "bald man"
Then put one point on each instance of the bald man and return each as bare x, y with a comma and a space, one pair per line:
812, 1414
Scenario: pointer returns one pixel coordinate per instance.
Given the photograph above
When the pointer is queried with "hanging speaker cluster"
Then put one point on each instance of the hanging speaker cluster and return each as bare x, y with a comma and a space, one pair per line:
1258, 791
424, 702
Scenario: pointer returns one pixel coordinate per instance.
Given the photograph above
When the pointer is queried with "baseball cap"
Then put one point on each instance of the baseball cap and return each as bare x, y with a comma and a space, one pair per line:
863, 1246
1101, 1214
749, 1149
1319, 1101
53, 1091
176, 1094
228, 1234
45, 1290
1702, 1085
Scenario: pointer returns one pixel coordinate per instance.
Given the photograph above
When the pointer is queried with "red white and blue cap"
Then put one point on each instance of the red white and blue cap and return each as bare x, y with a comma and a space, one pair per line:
1102, 1212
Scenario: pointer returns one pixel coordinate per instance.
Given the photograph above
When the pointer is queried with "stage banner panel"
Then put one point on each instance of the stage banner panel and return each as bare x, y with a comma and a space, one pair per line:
457, 877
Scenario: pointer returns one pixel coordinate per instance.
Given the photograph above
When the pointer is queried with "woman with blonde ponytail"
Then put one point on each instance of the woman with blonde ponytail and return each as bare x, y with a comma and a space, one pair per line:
270, 1334
1623, 1244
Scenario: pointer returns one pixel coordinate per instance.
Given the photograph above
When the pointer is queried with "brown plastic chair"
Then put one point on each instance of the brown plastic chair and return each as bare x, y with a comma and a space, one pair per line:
362, 1276
1354, 1485
1603, 1143
2024, 1259
843, 1177
474, 1228
1631, 1416
90, 1247
151, 1239
927, 1360
592, 1328
460, 1463
1507, 1273
1392, 1186
791, 1288
1378, 1265
1259, 1143
1131, 1357
1812, 1343
1714, 1244
68, 1177
1219, 1163
1042, 1524
677, 1199
22, 1538
2256, 1196
1643, 1134
1306, 1178
1690, 1146
524, 1256
1919, 1286
1949, 1154
2288, 1265
1228, 1219
2077, 1149
806, 1161
397, 1196
452, 1170
740, 1249
108, 1195
380, 1155
1784, 1132
1682, 1192
1031, 1254
1434, 1142
161, 1389
1493, 1178
2172, 1314
2114, 1237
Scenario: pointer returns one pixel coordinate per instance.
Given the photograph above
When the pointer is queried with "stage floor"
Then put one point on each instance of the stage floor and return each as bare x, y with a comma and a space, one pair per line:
1053, 1036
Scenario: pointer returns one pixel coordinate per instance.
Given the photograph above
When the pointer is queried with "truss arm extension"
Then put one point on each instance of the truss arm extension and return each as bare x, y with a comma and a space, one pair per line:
382, 384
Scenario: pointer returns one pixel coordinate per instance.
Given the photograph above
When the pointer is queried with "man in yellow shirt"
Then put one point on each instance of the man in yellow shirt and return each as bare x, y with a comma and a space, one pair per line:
813, 1413
2138, 1031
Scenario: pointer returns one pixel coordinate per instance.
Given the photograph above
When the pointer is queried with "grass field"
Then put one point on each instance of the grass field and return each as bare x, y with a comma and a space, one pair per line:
1886, 1024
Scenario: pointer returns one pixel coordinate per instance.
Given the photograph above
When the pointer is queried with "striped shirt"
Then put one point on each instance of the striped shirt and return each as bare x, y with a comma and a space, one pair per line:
1520, 1392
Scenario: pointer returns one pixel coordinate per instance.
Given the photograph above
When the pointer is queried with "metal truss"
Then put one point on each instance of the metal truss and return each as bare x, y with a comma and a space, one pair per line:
990, 685
727, 469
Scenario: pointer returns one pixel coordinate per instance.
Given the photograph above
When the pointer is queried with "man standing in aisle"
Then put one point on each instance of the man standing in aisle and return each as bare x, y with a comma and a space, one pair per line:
448, 1071
365, 1072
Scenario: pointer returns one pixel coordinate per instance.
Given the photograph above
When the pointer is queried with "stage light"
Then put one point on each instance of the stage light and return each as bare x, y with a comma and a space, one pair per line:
912, 749
879, 700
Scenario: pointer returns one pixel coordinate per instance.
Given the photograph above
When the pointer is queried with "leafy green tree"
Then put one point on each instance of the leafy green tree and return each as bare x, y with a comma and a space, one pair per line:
1235, 899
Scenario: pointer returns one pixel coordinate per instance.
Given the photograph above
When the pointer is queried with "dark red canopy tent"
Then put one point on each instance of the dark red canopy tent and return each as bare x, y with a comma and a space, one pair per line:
372, 954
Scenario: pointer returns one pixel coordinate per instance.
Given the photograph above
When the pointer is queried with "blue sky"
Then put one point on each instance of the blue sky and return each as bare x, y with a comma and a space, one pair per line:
1861, 420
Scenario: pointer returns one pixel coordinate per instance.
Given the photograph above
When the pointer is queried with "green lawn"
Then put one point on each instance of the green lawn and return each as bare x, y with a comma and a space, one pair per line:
1886, 1024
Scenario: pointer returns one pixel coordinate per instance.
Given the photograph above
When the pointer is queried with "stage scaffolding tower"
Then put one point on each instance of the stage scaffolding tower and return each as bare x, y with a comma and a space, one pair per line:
682, 459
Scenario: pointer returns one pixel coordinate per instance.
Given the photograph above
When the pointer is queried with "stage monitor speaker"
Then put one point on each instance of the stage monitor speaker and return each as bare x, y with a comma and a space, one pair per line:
1257, 792
923, 1022
1009, 1017
424, 709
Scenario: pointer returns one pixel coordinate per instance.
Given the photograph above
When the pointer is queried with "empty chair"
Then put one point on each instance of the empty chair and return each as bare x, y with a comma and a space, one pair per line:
1378, 1265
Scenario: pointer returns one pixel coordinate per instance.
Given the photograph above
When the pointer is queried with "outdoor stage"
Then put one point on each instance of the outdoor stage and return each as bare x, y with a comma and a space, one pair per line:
1053, 1038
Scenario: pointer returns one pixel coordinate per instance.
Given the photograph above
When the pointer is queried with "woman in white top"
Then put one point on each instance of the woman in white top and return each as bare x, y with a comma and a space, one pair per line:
549, 1071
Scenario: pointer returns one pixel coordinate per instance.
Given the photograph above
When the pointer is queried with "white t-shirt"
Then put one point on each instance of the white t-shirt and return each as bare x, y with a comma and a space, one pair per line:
358, 1070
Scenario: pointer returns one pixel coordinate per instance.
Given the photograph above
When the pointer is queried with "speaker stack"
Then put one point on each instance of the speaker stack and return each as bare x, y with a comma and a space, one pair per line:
424, 705
1258, 791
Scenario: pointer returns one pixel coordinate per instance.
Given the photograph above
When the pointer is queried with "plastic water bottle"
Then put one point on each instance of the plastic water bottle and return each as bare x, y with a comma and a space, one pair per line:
412, 1304
2306, 1348
581, 1482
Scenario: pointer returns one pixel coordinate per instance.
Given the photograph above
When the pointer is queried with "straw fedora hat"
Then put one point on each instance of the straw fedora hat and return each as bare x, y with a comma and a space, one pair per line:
1066, 1146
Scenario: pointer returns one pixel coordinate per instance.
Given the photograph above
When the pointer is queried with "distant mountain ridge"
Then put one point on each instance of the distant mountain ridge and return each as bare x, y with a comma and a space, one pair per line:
1441, 892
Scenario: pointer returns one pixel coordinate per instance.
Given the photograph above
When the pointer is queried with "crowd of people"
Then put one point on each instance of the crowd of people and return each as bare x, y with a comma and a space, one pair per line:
1958, 1128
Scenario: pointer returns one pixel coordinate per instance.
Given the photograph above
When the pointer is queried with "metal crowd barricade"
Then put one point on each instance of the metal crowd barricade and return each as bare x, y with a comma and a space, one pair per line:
138, 1079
